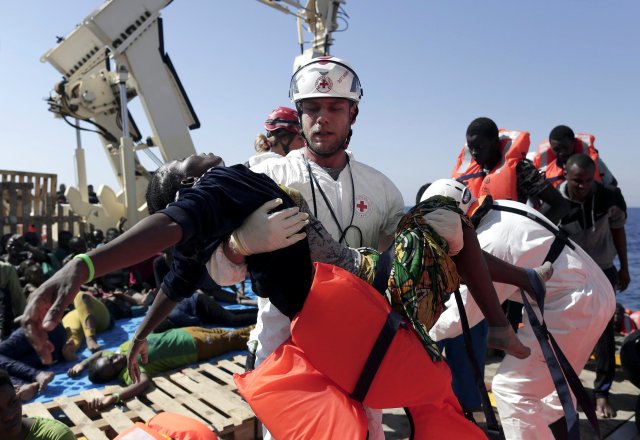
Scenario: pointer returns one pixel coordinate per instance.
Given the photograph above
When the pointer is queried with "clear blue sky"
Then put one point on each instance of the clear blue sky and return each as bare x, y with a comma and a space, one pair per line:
427, 67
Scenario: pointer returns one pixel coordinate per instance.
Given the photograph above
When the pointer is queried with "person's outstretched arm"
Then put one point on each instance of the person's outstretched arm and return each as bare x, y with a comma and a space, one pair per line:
126, 393
475, 273
46, 305
507, 273
620, 242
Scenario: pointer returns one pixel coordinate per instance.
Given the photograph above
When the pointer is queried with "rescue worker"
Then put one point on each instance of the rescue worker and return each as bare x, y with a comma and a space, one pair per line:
579, 303
282, 136
596, 222
357, 204
563, 143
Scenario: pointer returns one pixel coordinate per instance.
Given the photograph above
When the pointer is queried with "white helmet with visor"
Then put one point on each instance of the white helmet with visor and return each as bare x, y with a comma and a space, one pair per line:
325, 77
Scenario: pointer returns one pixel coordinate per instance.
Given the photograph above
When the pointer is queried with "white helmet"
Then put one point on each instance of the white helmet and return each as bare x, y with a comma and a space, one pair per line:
325, 77
450, 188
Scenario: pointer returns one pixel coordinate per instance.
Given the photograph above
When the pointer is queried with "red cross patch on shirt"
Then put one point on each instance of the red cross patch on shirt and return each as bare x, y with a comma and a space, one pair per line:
363, 206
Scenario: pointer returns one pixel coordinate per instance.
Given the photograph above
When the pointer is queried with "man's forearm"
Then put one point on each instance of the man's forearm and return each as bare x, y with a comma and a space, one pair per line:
620, 243
158, 311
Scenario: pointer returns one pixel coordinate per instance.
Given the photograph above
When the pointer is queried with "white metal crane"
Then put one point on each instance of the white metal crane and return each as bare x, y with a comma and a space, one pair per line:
128, 34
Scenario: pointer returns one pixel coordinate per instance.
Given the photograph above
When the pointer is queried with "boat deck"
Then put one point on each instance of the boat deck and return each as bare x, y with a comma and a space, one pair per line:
207, 393
623, 397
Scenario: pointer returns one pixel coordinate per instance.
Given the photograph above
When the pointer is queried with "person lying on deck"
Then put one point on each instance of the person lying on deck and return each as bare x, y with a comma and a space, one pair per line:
167, 350
201, 309
28, 375
14, 426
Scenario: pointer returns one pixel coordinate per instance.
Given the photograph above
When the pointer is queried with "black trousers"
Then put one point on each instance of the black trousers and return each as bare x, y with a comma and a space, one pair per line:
605, 350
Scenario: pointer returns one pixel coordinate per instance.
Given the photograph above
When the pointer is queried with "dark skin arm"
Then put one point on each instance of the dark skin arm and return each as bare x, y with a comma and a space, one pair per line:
126, 393
46, 305
474, 270
158, 311
79, 367
555, 207
620, 243
506, 273
475, 273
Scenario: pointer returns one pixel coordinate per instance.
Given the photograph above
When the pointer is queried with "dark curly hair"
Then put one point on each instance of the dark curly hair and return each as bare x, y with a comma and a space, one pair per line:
162, 188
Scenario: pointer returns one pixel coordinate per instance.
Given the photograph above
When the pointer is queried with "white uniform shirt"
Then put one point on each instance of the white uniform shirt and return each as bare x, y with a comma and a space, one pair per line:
378, 209
376, 206
258, 158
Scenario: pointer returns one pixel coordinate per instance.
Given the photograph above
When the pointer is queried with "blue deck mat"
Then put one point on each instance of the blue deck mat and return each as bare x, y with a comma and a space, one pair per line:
63, 385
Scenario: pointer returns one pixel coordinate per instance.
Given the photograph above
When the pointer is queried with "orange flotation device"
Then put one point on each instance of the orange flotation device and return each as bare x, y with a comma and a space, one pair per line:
168, 426
501, 181
545, 159
326, 366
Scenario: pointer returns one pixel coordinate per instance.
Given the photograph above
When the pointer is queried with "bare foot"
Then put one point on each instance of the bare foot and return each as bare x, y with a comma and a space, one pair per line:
28, 392
43, 378
505, 339
92, 345
604, 408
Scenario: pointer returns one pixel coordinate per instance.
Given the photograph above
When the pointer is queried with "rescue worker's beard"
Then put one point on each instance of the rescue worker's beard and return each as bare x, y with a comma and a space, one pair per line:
330, 153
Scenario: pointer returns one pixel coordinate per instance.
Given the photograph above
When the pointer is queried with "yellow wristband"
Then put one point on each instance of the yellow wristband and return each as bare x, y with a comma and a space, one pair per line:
117, 396
89, 263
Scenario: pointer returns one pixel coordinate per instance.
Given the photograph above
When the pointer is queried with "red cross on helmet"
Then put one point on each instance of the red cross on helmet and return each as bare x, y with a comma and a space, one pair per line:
283, 118
325, 77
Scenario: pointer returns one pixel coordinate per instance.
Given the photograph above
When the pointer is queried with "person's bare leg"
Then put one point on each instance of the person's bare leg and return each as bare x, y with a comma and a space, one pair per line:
475, 273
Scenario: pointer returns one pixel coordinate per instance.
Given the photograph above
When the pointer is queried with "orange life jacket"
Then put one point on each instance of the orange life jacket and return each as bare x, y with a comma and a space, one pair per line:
305, 389
545, 159
501, 181
140, 431
168, 426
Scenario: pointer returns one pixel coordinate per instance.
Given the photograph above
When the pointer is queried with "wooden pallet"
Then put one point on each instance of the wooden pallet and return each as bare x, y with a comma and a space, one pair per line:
206, 393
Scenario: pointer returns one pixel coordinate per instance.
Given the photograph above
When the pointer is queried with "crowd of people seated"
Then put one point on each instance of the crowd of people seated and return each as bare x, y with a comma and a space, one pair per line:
26, 262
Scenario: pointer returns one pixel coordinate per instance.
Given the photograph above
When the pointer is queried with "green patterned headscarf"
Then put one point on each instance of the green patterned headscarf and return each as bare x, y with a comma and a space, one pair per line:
422, 274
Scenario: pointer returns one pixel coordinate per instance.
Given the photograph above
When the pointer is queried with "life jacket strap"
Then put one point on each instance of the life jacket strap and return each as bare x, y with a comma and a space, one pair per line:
462, 179
387, 332
562, 373
493, 428
378, 351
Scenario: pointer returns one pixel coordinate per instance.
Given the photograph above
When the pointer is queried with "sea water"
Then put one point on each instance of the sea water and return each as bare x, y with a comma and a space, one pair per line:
630, 298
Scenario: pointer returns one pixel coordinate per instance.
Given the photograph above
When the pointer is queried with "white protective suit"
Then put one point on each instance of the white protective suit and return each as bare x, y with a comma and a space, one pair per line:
259, 158
377, 207
373, 210
578, 304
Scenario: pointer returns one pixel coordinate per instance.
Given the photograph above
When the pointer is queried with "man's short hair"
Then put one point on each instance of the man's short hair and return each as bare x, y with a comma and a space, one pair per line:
483, 127
560, 133
580, 160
